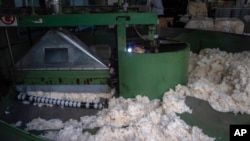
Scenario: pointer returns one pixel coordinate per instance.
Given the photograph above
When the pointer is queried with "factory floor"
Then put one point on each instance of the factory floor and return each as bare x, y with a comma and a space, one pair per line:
213, 123
18, 111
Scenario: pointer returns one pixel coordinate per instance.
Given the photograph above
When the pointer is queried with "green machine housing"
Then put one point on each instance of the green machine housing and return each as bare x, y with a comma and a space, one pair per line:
154, 73
145, 74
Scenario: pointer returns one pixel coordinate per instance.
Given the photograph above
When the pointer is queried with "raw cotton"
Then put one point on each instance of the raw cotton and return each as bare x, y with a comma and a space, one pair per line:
42, 124
133, 119
219, 77
197, 9
18, 123
231, 25
203, 23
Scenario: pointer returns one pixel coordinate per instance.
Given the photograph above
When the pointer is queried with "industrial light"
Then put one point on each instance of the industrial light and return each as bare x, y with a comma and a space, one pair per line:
129, 49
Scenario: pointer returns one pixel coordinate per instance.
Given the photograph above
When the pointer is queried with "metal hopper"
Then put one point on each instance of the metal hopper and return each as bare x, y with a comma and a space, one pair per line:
60, 50
60, 62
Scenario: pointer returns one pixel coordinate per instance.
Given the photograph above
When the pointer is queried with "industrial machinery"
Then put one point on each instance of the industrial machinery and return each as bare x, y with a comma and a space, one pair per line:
61, 63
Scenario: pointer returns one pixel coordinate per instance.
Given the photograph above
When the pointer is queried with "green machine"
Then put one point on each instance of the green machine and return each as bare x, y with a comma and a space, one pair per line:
60, 62
41, 67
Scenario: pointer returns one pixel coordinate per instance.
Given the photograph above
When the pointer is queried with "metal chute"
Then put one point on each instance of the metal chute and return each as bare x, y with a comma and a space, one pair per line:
60, 50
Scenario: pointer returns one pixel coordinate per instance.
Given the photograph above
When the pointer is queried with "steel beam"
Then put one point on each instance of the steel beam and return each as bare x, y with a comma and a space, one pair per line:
85, 19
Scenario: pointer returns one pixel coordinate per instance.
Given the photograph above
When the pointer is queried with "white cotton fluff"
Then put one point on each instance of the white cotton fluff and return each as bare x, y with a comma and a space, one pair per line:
221, 78
69, 133
122, 111
42, 124
17, 124
150, 122
175, 100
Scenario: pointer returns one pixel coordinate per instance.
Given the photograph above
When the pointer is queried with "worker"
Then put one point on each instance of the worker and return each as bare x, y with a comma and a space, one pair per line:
139, 48
156, 6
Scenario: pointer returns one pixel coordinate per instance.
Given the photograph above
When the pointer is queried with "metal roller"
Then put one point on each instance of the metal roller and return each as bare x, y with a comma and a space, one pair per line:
59, 102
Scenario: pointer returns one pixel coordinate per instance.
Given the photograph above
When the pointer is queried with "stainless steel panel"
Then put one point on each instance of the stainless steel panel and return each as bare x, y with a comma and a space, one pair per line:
60, 50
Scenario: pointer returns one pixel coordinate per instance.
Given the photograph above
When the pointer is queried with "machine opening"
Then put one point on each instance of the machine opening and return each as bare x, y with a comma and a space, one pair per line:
55, 55
170, 47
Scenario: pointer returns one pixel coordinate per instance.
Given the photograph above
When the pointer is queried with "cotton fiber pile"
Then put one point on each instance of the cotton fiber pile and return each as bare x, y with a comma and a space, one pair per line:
130, 119
216, 76
221, 78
